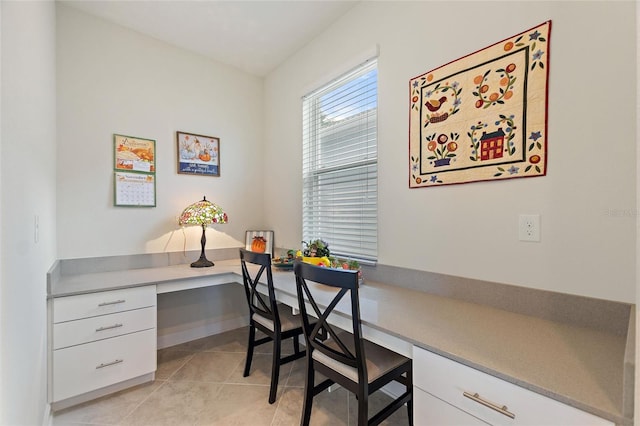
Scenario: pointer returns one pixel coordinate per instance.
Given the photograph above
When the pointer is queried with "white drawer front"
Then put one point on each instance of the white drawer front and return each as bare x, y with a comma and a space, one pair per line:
102, 303
83, 368
86, 330
430, 411
449, 380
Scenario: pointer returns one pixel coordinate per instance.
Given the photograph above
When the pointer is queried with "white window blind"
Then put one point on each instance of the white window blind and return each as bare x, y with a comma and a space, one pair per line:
340, 164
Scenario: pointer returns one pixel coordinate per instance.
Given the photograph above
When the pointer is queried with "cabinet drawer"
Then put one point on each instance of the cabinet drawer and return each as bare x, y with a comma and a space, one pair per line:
429, 410
83, 368
105, 302
449, 381
86, 330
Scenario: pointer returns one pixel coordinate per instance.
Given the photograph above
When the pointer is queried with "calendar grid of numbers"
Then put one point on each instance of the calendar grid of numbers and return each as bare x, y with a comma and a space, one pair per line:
135, 189
134, 171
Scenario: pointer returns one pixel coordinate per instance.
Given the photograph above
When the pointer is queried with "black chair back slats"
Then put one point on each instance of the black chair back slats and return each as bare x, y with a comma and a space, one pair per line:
266, 315
255, 299
342, 355
318, 334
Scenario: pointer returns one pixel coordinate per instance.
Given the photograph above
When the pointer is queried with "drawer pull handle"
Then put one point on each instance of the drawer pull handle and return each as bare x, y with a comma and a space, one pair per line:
502, 410
109, 327
117, 361
115, 302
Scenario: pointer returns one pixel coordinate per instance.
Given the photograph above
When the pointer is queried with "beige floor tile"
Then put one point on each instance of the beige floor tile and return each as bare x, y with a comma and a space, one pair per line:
329, 408
171, 360
239, 405
174, 404
289, 407
298, 374
209, 367
260, 373
377, 401
106, 410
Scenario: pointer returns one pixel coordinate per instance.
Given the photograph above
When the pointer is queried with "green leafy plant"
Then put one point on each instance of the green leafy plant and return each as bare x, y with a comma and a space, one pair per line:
316, 248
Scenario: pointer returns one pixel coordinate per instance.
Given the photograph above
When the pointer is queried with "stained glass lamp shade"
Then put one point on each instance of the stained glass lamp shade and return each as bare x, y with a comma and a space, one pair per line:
202, 213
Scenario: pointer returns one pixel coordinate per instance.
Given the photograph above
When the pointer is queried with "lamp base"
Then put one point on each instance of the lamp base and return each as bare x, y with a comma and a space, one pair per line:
203, 262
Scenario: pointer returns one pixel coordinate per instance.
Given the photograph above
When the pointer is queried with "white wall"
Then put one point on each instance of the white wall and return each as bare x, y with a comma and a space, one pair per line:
587, 201
27, 190
114, 80
637, 301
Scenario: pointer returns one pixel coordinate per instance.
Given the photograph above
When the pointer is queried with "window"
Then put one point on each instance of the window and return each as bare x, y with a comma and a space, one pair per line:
340, 164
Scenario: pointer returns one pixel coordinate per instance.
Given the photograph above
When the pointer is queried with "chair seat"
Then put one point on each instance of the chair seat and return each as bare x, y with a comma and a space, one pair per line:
379, 360
288, 321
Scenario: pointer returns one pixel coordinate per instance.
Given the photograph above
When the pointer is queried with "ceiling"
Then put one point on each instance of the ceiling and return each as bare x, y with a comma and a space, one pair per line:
255, 36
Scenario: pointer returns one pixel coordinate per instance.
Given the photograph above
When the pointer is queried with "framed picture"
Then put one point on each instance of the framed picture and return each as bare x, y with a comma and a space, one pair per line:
133, 154
135, 189
260, 241
198, 154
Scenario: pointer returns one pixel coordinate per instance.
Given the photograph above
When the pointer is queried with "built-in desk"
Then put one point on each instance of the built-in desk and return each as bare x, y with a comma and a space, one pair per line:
578, 366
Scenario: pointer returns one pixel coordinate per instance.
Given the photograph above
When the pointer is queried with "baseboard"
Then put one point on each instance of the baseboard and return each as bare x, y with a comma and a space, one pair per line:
182, 336
75, 400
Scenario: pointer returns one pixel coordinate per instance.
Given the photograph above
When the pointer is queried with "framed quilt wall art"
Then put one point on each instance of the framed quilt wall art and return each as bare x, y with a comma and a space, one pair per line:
484, 116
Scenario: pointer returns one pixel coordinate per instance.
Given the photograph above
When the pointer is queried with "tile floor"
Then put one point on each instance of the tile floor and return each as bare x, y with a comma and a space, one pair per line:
201, 383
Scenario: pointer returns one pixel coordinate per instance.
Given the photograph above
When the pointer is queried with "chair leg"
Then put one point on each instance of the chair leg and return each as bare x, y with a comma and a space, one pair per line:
296, 345
410, 389
308, 393
410, 411
363, 409
275, 368
250, 346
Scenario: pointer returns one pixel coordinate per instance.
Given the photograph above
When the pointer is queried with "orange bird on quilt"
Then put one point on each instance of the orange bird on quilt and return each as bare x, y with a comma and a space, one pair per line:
434, 104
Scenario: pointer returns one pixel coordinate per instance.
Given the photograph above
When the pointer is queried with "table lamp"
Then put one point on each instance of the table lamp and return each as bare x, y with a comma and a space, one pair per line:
202, 213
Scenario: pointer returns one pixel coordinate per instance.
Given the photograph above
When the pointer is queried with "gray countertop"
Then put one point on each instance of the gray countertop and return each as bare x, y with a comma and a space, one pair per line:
579, 366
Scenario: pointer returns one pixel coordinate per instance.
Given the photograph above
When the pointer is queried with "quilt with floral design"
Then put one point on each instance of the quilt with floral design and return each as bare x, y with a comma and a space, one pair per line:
484, 116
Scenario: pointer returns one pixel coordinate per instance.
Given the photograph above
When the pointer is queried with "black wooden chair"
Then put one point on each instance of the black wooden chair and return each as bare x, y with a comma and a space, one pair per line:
345, 358
274, 320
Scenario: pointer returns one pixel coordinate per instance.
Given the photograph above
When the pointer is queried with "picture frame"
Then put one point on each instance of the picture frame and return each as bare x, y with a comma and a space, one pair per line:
133, 154
266, 235
198, 154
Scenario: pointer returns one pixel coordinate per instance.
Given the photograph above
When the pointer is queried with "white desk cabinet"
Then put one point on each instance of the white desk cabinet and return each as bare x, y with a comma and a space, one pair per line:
103, 338
449, 393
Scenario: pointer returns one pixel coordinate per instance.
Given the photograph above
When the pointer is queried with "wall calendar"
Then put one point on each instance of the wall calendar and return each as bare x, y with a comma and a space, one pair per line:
134, 171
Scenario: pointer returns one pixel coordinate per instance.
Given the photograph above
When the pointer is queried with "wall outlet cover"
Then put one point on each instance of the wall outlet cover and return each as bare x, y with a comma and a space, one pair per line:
529, 227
